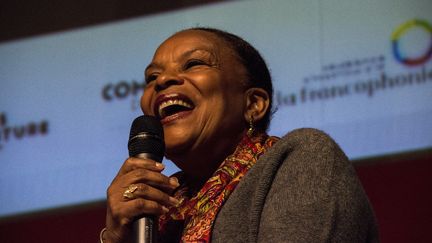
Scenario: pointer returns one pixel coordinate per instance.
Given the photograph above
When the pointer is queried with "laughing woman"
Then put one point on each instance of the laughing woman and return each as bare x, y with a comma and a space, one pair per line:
212, 92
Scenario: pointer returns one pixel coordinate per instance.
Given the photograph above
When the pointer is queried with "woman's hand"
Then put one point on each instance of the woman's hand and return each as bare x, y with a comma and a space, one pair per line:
151, 196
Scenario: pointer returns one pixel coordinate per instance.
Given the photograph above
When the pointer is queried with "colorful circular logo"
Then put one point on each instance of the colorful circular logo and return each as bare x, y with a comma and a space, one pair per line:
400, 31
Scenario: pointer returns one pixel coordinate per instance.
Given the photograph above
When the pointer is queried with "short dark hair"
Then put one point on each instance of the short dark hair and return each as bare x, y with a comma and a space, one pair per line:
257, 70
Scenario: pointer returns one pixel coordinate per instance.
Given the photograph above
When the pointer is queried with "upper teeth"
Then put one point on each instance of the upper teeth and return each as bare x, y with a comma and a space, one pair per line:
172, 102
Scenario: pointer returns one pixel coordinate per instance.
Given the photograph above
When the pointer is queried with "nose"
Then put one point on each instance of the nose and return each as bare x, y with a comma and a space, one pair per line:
167, 79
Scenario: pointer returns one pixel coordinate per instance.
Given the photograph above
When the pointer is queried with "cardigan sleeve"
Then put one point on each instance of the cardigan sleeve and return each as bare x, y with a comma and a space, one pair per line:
314, 195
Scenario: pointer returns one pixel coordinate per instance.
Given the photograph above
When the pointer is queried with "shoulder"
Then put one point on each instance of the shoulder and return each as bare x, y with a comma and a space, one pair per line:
313, 186
307, 157
307, 167
308, 138
302, 168
311, 159
306, 147
303, 186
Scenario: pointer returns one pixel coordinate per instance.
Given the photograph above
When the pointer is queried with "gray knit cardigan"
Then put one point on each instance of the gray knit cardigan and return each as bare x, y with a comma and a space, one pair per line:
303, 189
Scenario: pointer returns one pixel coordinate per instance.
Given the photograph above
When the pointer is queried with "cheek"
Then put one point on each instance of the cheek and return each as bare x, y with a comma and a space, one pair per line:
146, 102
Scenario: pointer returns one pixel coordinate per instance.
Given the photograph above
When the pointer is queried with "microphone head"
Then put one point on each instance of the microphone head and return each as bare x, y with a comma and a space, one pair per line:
146, 137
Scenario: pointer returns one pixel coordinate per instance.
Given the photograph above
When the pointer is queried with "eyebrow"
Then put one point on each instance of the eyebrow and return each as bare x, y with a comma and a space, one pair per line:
185, 54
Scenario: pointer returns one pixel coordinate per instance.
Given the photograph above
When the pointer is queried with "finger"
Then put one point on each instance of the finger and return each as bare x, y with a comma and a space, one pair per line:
152, 178
132, 163
147, 192
140, 207
125, 212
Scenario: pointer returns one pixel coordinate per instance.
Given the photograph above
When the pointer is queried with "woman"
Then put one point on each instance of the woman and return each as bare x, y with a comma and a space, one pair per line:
212, 92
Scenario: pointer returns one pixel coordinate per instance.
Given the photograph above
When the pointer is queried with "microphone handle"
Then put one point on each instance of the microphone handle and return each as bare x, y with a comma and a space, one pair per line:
143, 229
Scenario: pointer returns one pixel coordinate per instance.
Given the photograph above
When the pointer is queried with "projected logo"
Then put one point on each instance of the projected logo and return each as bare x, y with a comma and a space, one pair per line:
409, 42
19, 132
368, 76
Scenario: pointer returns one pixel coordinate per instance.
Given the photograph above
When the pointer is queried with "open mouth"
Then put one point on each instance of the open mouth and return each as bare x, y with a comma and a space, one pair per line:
172, 105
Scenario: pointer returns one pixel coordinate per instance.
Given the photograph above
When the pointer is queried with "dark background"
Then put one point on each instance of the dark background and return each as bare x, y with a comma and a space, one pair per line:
22, 18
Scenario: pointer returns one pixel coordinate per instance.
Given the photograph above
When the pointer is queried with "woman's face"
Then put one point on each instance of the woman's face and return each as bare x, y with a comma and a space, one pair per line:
195, 86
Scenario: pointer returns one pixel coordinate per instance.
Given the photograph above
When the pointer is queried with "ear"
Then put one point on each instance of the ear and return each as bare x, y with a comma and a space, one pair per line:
257, 104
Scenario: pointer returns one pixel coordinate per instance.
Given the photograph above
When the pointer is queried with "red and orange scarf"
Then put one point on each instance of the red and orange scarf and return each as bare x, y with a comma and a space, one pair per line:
192, 220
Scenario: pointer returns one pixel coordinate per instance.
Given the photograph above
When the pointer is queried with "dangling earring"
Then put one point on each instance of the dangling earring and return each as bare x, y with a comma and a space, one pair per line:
251, 126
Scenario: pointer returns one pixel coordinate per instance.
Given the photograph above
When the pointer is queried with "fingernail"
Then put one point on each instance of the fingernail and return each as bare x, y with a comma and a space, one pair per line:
174, 201
174, 181
160, 165
165, 209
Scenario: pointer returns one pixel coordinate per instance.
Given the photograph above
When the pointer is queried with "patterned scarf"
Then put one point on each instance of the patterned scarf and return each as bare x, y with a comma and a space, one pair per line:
192, 220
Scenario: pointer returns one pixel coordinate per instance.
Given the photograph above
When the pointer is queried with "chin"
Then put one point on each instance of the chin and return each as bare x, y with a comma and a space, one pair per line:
177, 142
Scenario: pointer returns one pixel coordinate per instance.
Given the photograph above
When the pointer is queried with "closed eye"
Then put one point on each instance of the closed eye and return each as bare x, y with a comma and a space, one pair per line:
192, 63
150, 78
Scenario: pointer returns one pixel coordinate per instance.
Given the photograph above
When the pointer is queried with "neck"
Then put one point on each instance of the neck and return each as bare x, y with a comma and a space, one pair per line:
199, 164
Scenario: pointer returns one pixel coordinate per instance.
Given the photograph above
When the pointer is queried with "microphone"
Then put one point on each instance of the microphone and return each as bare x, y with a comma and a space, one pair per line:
146, 141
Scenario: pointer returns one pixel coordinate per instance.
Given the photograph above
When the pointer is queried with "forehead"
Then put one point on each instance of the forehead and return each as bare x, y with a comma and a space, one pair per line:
193, 40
